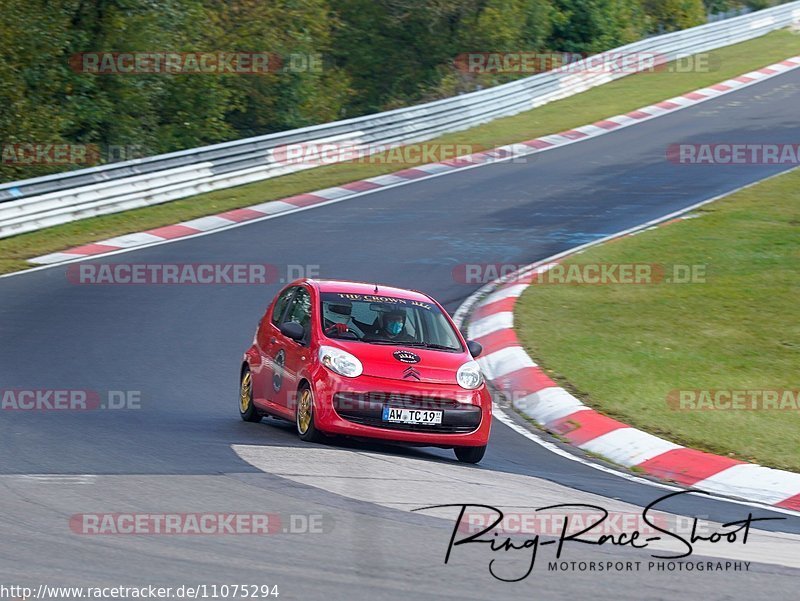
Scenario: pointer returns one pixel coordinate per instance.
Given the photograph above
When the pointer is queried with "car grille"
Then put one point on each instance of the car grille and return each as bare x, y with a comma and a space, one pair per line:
367, 409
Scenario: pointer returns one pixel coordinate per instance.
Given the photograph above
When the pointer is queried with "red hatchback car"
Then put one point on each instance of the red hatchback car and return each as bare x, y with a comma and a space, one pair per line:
366, 361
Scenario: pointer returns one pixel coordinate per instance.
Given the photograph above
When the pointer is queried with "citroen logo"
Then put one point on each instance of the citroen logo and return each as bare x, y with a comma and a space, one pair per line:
411, 372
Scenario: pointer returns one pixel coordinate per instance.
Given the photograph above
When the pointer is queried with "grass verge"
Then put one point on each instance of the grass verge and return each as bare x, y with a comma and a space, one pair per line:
625, 349
611, 99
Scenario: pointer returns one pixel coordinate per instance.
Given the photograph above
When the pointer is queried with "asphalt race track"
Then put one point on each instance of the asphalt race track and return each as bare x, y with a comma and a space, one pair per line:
186, 450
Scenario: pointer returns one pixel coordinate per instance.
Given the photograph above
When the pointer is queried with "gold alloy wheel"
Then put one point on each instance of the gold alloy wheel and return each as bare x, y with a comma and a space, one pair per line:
304, 411
246, 392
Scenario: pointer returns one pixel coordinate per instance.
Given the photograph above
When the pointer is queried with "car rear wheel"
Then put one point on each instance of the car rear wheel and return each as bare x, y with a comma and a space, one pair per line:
470, 454
304, 416
247, 410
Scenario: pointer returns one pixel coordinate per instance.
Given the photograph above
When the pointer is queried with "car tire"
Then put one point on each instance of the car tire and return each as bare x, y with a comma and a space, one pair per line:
470, 454
304, 416
247, 410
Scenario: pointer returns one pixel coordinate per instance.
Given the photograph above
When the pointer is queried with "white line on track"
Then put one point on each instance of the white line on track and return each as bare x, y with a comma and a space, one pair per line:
53, 478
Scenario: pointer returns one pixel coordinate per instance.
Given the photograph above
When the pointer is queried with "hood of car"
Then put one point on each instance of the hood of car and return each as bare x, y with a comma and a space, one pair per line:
408, 364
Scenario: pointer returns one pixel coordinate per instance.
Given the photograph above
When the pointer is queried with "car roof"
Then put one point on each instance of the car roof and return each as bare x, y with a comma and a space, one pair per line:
349, 287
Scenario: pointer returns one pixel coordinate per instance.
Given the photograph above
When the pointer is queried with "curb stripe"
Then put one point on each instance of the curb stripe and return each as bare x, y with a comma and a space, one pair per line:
491, 323
497, 340
239, 215
131, 240
791, 503
513, 291
361, 186
412, 173
169, 232
500, 306
505, 361
687, 466
606, 124
583, 426
538, 143
629, 446
549, 404
525, 381
304, 200
753, 481
331, 193
574, 134
92, 249
205, 224
385, 180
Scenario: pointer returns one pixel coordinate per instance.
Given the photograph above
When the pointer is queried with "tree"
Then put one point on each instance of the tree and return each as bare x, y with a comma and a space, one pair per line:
33, 36
672, 15
590, 26
307, 88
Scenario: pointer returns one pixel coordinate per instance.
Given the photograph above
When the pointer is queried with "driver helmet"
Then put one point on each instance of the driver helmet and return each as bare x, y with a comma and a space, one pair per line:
394, 321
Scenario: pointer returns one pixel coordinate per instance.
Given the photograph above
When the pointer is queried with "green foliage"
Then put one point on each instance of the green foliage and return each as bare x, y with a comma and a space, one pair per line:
595, 25
344, 58
303, 92
33, 36
672, 15
392, 49
721, 6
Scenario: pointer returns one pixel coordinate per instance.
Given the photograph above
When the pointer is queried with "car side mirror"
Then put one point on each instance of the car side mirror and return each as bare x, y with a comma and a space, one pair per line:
475, 348
293, 330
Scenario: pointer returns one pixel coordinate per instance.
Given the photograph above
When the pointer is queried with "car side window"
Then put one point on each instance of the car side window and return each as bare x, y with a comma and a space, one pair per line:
280, 305
300, 309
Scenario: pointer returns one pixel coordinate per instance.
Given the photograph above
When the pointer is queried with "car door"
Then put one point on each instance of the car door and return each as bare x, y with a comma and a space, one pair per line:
292, 354
267, 380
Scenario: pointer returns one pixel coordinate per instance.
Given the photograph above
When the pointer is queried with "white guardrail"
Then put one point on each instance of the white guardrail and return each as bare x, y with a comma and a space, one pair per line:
42, 202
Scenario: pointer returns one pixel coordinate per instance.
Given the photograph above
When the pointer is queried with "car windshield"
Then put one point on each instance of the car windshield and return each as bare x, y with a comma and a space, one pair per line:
387, 320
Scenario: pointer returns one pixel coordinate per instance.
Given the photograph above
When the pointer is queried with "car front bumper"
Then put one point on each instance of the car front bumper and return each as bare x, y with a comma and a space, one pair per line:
354, 406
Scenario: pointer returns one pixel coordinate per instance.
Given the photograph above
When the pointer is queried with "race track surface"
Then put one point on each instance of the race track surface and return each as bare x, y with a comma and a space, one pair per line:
186, 450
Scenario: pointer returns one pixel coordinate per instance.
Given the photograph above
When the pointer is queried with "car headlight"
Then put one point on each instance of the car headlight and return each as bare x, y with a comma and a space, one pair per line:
469, 375
342, 362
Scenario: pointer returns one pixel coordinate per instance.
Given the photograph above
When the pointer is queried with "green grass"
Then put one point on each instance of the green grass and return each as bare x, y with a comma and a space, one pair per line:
611, 99
623, 348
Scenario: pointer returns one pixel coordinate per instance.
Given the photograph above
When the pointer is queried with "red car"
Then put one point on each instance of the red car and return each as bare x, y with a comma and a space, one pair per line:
367, 361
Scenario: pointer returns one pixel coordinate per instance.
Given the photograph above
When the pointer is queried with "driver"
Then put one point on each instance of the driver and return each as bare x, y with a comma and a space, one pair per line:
393, 326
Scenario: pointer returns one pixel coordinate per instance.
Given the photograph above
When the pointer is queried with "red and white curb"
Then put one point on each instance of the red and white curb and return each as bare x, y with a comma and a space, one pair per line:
266, 210
490, 315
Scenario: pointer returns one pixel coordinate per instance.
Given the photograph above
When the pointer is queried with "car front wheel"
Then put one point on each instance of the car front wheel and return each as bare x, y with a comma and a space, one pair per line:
247, 410
470, 454
304, 416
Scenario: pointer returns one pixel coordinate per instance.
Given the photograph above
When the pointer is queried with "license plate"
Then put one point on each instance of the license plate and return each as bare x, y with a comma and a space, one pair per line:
411, 416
